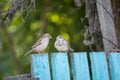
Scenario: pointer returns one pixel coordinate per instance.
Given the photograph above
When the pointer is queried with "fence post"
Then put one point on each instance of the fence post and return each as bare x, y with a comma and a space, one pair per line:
80, 67
60, 66
40, 66
99, 66
114, 63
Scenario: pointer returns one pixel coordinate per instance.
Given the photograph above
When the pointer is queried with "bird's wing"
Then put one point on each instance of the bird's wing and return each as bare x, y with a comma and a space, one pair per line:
37, 43
69, 47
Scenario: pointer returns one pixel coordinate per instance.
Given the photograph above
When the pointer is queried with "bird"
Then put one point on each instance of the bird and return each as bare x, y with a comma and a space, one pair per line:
62, 45
41, 44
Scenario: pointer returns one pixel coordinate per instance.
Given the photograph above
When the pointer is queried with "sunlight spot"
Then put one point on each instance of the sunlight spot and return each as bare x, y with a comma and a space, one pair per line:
48, 15
6, 7
16, 20
55, 18
12, 28
59, 22
62, 18
35, 25
69, 21
66, 36
29, 38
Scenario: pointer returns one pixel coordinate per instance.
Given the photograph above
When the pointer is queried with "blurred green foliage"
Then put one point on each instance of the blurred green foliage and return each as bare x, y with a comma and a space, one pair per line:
61, 17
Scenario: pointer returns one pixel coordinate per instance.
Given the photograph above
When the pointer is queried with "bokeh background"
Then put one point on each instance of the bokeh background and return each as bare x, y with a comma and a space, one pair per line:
57, 17
22, 22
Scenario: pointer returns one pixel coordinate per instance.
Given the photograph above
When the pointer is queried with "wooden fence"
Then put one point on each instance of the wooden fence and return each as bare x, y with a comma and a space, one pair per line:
72, 66
75, 66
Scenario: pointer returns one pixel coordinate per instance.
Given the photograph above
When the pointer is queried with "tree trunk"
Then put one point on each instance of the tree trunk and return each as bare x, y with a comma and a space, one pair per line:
116, 13
94, 25
107, 24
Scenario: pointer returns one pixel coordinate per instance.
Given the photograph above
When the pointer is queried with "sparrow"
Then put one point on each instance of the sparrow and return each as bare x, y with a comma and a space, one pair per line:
41, 44
62, 45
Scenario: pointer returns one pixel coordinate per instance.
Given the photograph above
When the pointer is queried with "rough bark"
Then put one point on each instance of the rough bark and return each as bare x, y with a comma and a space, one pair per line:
94, 25
116, 15
107, 24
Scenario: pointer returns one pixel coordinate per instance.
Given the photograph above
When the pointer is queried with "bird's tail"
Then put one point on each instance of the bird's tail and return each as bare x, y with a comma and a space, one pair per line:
28, 52
70, 49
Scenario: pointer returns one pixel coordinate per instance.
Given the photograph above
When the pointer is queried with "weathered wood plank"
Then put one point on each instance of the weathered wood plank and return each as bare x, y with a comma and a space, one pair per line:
99, 66
21, 76
28, 79
40, 66
21, 79
107, 24
114, 61
60, 66
80, 66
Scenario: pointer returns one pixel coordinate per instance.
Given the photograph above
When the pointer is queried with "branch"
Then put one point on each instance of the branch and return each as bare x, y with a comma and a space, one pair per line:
12, 51
43, 19
16, 6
